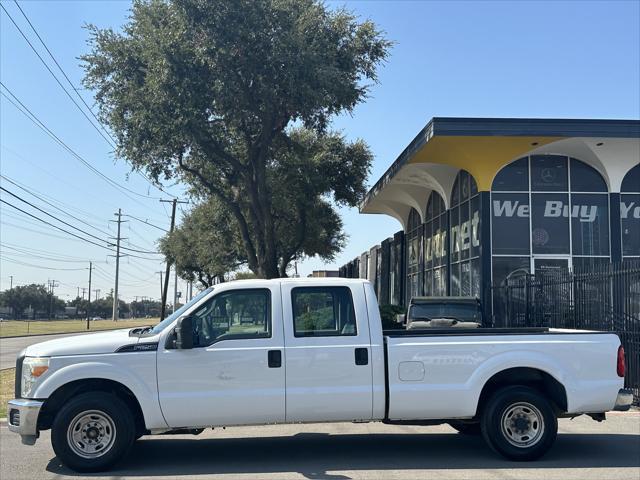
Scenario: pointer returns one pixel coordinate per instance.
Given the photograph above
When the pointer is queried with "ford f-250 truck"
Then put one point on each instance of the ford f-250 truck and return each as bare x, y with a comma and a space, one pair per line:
307, 350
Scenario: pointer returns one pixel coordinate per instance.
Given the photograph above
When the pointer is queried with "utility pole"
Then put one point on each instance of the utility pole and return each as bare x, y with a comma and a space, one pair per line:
52, 285
83, 291
89, 303
160, 282
175, 289
78, 294
116, 305
13, 314
163, 307
97, 293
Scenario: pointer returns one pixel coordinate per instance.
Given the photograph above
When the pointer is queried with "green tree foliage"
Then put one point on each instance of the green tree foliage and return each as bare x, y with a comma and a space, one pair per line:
205, 246
81, 305
208, 245
33, 296
208, 91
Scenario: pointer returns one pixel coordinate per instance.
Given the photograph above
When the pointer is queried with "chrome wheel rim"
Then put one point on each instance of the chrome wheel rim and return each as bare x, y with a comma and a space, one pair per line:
522, 425
91, 434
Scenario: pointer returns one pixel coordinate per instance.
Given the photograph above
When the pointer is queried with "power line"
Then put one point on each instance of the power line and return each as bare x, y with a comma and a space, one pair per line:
55, 226
63, 72
34, 118
49, 214
75, 187
68, 232
4, 258
52, 205
51, 71
113, 141
146, 222
70, 225
34, 253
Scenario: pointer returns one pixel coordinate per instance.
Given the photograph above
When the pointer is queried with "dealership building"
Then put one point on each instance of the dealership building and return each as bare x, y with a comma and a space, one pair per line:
483, 200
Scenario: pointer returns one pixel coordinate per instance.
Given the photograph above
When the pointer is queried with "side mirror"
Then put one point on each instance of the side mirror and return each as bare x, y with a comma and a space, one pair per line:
184, 333
401, 318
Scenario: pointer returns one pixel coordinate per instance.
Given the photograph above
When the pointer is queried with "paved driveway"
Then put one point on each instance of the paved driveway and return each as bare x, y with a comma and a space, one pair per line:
585, 450
10, 347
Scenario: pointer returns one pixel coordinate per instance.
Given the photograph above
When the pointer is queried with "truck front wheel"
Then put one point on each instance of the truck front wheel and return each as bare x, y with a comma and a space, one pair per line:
519, 423
92, 432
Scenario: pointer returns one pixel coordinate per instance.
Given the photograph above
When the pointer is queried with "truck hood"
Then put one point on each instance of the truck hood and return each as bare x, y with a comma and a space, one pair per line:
87, 344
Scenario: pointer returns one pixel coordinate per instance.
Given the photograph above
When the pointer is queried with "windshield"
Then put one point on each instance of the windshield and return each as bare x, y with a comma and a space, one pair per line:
163, 324
458, 311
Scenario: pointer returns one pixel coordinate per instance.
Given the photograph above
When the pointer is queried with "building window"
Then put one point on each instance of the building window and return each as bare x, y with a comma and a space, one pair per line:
414, 239
630, 213
562, 212
464, 236
435, 247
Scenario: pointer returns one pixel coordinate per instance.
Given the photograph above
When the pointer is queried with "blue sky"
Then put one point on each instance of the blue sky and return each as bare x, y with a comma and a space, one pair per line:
479, 59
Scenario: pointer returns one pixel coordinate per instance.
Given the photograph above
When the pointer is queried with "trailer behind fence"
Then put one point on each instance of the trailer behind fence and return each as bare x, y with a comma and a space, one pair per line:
603, 298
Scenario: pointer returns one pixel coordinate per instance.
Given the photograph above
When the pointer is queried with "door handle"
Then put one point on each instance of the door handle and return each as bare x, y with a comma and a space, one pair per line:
274, 358
362, 356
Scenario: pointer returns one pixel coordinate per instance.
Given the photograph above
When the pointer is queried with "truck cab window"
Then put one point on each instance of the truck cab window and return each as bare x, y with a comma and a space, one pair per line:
323, 311
233, 315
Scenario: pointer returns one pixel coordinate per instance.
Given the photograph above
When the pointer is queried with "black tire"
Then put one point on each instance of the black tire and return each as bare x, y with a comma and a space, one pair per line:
519, 423
98, 414
466, 428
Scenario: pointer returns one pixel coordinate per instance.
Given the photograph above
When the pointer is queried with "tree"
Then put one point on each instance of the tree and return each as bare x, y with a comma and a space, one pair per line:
208, 91
81, 305
32, 296
206, 245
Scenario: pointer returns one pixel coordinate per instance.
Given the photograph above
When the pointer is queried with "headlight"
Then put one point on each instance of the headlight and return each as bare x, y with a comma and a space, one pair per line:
32, 369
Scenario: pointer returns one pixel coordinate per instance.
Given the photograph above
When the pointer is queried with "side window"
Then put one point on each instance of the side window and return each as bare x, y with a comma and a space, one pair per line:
233, 314
323, 311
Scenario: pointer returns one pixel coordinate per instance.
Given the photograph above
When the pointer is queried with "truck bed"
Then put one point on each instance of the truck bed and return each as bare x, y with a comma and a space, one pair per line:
439, 373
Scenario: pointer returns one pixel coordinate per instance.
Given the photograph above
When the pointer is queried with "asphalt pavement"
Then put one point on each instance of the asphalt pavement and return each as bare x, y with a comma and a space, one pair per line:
11, 347
585, 450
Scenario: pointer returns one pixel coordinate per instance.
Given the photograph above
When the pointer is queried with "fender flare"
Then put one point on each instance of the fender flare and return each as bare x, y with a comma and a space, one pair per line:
99, 370
520, 359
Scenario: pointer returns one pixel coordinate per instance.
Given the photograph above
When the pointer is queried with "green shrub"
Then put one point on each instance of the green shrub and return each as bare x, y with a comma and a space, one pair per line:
388, 315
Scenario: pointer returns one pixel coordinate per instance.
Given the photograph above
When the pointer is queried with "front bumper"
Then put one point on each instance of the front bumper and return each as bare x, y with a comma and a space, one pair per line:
23, 418
623, 400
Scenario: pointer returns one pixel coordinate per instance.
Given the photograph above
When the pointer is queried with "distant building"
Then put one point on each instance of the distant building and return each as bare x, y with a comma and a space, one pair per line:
482, 200
325, 273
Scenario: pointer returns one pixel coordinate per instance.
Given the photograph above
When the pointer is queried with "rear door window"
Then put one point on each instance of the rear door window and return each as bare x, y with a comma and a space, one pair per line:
323, 312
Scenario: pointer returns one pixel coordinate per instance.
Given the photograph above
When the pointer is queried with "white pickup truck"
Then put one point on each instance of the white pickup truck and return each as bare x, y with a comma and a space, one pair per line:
307, 350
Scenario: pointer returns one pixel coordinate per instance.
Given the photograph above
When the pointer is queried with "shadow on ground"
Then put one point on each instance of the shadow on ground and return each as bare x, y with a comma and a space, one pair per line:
313, 454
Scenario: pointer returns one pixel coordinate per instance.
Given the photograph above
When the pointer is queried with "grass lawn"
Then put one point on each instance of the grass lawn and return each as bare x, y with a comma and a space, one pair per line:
6, 389
12, 328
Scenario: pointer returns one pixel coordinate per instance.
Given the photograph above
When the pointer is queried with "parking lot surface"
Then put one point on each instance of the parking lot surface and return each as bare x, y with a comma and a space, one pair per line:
584, 450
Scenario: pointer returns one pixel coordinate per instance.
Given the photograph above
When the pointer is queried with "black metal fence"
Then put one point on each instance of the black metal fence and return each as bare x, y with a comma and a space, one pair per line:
603, 298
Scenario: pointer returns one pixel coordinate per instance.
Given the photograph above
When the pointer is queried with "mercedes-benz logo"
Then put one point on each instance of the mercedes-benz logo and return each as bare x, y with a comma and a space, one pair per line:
547, 175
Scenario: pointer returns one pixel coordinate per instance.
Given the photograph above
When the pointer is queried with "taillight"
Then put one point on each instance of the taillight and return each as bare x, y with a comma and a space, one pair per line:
620, 367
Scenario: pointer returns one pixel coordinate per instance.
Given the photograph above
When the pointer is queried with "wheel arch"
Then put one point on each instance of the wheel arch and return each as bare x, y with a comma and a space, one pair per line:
527, 376
67, 391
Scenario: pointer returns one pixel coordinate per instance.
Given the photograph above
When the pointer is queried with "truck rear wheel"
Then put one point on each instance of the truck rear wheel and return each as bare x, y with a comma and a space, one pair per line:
92, 432
519, 423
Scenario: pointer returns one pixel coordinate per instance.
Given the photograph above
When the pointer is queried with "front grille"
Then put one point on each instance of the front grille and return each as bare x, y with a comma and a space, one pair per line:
14, 417
18, 381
